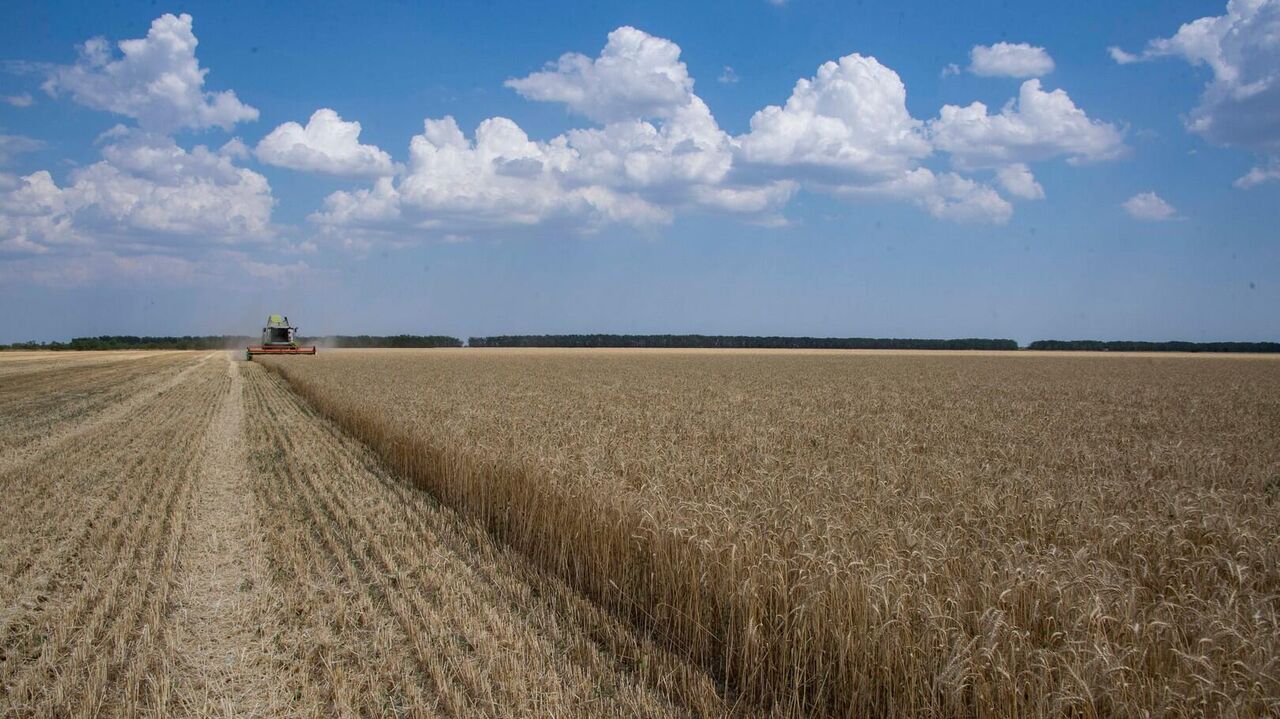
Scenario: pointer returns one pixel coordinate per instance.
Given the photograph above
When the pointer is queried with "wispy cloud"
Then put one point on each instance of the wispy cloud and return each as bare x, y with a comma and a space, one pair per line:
11, 145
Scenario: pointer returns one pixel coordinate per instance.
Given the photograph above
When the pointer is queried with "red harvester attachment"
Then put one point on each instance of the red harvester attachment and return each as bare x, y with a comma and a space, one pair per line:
264, 350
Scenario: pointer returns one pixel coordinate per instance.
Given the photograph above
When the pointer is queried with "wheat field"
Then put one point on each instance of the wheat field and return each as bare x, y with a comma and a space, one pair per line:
638, 533
184, 536
856, 534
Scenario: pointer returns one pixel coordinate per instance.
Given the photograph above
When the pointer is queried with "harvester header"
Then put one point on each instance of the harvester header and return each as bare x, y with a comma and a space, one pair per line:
278, 338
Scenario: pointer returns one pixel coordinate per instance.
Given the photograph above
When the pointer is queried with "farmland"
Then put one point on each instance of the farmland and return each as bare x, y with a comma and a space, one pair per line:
874, 533
192, 540
638, 533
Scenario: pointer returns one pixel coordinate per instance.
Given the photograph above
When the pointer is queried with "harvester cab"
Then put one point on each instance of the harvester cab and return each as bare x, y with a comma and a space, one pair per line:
278, 339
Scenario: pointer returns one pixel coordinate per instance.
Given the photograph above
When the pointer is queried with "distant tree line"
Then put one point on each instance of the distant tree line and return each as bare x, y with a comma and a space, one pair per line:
214, 342
381, 341
1127, 346
217, 342
131, 342
738, 342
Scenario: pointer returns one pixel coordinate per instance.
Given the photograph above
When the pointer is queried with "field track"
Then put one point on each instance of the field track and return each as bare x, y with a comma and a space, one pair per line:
182, 536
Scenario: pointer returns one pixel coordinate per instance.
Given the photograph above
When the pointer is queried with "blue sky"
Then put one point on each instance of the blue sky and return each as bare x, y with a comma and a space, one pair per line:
795, 168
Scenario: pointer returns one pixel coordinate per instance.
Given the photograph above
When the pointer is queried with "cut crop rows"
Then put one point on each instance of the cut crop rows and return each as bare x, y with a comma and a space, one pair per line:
91, 536
37, 399
394, 604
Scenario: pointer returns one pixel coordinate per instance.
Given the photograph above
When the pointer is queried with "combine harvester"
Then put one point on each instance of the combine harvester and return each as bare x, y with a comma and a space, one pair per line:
278, 339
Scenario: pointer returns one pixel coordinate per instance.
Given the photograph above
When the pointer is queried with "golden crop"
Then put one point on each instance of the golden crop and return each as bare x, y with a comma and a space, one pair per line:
793, 532
874, 533
180, 535
389, 605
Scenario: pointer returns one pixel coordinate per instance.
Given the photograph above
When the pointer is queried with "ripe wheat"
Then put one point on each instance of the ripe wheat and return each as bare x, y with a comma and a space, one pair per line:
873, 534
180, 535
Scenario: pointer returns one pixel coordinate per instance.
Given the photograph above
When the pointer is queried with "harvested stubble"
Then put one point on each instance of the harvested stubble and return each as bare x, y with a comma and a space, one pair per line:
874, 534
43, 392
190, 539
391, 606
89, 531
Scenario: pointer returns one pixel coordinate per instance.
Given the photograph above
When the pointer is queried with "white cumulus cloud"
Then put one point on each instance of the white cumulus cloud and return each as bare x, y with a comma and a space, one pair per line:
235, 149
850, 117
688, 148
149, 209
1017, 180
157, 81
947, 196
657, 134
1150, 207
146, 191
1038, 125
847, 132
652, 149
1240, 105
657, 150
1006, 59
33, 216
326, 144
499, 178
636, 75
